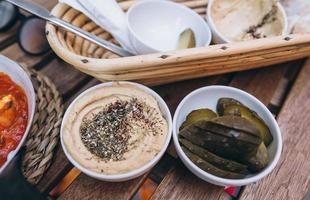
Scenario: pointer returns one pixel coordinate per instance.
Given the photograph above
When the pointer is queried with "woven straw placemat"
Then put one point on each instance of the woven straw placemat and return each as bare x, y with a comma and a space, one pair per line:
44, 133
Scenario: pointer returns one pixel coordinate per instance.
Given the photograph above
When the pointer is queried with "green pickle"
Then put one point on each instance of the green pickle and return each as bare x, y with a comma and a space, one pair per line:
259, 161
224, 103
224, 141
251, 116
196, 115
217, 161
230, 145
206, 166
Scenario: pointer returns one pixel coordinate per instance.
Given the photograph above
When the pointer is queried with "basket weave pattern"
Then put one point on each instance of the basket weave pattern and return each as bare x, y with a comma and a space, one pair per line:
44, 133
159, 68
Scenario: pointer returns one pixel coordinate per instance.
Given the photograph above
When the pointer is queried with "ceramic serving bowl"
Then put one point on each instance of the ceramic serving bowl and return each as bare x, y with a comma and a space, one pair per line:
134, 173
155, 26
21, 78
219, 38
207, 97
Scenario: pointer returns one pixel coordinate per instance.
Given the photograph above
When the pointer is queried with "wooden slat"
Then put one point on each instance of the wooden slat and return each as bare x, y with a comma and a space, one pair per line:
9, 36
261, 83
182, 185
290, 179
15, 53
63, 75
88, 188
174, 93
91, 83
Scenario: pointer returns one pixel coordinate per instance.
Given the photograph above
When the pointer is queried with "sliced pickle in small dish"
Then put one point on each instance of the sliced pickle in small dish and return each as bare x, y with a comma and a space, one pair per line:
217, 161
251, 116
259, 161
196, 115
221, 140
223, 103
237, 123
207, 167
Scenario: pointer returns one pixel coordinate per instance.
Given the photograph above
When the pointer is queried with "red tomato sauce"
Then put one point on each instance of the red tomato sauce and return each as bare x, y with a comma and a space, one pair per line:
13, 116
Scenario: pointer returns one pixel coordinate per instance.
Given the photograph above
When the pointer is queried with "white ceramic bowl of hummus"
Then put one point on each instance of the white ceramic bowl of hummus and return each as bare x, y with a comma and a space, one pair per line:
242, 20
145, 145
207, 97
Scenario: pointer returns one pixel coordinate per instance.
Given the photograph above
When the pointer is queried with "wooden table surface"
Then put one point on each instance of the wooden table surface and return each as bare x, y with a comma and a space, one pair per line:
284, 89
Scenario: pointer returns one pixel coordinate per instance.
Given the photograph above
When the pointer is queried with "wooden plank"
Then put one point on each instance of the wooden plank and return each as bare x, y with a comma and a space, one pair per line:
88, 188
65, 76
182, 185
261, 83
255, 82
15, 53
174, 93
8, 37
290, 179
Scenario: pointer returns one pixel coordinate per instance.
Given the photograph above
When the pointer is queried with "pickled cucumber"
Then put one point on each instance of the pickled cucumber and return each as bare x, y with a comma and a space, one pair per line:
206, 166
237, 123
224, 103
251, 116
259, 161
221, 140
197, 115
221, 163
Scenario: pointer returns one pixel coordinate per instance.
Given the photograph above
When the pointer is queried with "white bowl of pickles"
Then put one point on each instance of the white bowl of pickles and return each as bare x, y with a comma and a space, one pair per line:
226, 136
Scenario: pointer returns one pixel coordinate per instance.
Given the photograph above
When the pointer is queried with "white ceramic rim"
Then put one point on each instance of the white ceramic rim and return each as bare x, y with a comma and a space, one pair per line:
213, 27
19, 70
180, 6
134, 173
225, 181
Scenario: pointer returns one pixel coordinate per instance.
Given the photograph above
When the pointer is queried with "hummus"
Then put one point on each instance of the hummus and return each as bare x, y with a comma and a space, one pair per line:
239, 20
298, 13
115, 129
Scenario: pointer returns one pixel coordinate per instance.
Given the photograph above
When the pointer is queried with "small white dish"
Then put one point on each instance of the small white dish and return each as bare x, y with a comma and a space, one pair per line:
207, 97
134, 173
155, 26
21, 78
219, 38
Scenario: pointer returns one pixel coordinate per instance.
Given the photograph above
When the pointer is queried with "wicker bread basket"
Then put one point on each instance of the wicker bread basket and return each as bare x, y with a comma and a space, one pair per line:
160, 68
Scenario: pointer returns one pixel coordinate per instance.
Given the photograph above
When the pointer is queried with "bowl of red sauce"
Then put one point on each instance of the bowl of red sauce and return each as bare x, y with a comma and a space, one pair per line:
17, 107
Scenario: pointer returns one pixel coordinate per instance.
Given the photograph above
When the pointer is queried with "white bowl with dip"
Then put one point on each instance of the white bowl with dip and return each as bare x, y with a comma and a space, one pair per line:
21, 78
218, 35
155, 26
118, 177
207, 97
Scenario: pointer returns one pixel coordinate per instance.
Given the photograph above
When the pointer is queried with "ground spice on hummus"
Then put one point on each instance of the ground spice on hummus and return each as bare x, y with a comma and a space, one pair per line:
106, 133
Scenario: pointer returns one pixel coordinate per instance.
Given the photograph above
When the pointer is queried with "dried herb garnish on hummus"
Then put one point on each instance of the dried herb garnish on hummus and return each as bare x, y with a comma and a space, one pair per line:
114, 129
106, 134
